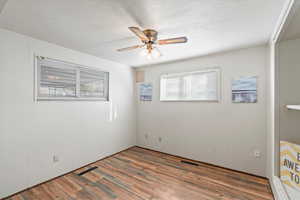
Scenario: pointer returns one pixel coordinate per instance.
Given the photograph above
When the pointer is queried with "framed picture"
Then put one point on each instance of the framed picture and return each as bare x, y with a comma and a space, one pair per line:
244, 90
146, 92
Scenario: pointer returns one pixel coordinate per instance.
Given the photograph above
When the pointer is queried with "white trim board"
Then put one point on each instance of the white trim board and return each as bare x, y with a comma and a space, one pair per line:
283, 21
278, 189
282, 192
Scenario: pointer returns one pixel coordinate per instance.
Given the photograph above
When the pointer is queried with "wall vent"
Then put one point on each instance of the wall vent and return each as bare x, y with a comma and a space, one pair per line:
86, 171
189, 163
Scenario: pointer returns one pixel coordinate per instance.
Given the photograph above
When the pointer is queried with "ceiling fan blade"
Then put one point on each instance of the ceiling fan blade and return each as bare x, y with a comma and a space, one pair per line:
173, 41
130, 48
138, 32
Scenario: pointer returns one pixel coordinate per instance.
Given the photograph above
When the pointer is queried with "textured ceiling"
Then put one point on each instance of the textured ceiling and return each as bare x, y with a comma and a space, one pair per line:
98, 27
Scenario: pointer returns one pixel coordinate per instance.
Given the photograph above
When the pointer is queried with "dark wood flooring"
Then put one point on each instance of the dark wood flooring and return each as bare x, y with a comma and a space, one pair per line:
140, 174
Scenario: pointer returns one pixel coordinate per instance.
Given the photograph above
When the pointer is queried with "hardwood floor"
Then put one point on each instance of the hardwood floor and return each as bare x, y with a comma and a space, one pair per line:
140, 174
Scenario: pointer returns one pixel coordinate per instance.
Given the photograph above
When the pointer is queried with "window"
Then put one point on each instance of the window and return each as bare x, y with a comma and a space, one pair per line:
57, 80
191, 86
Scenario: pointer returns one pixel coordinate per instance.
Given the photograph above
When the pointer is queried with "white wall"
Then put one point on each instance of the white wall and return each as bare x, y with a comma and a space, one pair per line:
78, 132
289, 82
223, 133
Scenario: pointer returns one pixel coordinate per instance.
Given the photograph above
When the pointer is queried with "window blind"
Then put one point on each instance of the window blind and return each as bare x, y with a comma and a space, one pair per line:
62, 81
57, 82
92, 83
189, 86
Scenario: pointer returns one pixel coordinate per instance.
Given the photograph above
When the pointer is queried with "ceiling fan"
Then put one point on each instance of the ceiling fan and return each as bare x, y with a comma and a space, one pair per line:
149, 39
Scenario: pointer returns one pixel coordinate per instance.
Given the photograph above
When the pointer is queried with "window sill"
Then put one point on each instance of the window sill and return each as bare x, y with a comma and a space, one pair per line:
71, 99
191, 100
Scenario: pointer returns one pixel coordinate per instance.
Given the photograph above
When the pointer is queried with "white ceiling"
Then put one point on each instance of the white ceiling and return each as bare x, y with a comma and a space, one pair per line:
98, 27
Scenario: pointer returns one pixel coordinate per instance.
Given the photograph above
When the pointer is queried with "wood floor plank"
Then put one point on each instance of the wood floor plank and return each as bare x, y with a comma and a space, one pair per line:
141, 174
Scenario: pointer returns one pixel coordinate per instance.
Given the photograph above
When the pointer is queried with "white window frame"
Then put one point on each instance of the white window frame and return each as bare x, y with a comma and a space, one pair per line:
68, 65
218, 84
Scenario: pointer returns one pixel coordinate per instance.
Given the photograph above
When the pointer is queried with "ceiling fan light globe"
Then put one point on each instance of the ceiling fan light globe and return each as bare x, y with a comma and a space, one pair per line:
149, 56
155, 53
144, 52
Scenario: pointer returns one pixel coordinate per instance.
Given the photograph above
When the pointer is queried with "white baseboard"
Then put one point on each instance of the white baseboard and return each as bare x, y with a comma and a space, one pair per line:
278, 189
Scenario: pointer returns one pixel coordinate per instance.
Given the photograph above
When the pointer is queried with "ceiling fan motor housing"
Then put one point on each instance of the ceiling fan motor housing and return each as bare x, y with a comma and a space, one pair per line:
151, 34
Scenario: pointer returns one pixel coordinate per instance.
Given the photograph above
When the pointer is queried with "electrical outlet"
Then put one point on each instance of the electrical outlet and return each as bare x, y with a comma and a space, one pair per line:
257, 154
159, 139
55, 159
